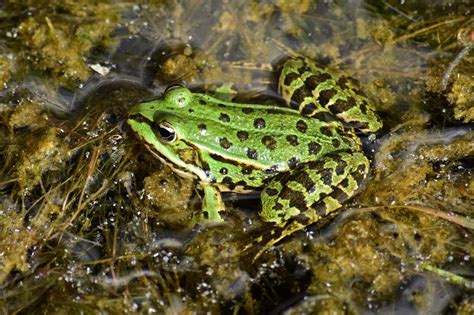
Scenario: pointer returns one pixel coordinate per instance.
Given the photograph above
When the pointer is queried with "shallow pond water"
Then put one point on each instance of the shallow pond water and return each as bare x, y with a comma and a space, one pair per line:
92, 222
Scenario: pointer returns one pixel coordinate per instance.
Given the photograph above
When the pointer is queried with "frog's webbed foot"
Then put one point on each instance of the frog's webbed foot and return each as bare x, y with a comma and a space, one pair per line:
266, 240
310, 192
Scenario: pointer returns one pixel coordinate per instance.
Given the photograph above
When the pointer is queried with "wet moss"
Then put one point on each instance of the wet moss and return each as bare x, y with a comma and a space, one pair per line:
5, 71
28, 114
171, 70
47, 153
435, 173
466, 307
170, 195
461, 96
58, 38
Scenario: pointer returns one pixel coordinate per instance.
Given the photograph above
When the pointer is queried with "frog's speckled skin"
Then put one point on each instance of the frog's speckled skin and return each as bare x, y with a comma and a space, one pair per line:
316, 92
305, 158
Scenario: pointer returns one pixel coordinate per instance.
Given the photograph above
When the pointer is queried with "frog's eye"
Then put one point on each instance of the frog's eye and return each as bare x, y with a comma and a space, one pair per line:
166, 132
178, 96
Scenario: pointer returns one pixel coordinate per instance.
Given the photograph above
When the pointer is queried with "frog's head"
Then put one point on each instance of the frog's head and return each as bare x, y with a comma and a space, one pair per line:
162, 125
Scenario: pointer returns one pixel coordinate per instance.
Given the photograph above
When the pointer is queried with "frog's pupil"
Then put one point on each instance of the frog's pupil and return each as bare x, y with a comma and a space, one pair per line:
166, 134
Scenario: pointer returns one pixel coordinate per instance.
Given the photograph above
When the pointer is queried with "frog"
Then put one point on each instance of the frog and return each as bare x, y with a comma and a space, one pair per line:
304, 156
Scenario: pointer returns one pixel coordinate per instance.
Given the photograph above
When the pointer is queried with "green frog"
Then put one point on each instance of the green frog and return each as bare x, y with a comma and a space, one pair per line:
304, 158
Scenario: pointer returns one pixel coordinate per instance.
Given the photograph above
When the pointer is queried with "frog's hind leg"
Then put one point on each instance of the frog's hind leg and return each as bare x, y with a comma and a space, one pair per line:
298, 84
325, 95
310, 192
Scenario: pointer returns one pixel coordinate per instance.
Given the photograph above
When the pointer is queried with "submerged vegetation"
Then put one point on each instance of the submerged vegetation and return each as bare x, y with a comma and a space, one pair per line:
90, 221
56, 37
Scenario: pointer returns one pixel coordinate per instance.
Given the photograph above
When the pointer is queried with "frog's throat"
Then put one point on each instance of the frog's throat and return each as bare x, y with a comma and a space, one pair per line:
182, 172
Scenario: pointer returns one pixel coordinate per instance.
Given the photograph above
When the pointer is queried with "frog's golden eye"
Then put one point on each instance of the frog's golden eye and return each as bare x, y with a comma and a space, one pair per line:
166, 132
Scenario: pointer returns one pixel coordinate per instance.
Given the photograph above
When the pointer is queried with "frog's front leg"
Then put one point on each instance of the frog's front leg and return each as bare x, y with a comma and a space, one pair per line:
212, 204
311, 191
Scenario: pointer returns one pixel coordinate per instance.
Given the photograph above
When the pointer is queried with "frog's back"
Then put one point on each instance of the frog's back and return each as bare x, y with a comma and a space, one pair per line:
264, 136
